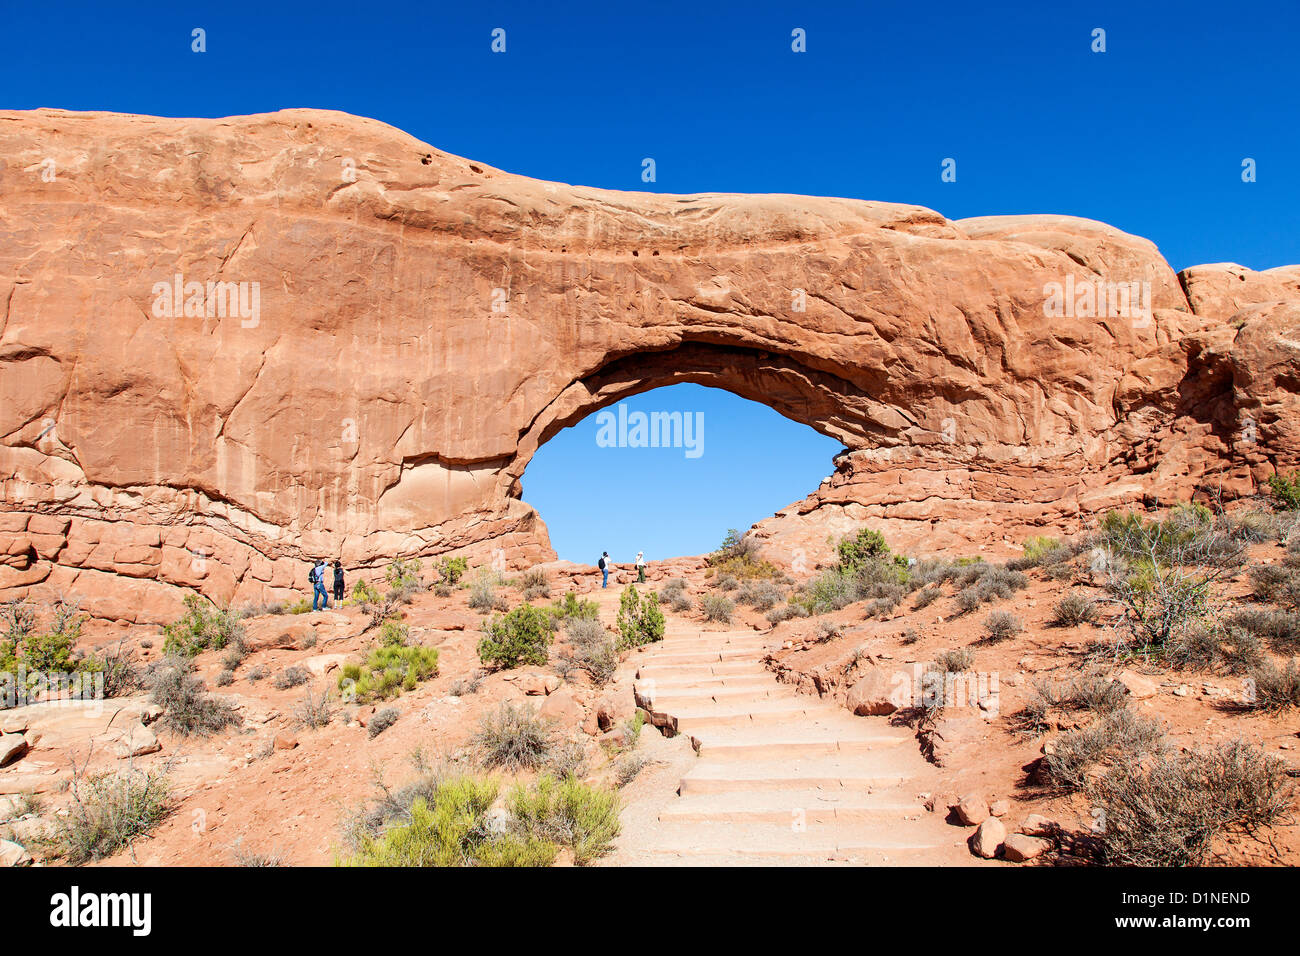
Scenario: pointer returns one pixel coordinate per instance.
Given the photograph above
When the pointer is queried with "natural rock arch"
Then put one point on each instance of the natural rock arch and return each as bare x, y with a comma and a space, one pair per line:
380, 403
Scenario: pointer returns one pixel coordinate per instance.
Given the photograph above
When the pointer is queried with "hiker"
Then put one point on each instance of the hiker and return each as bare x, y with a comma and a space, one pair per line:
318, 592
603, 564
640, 567
338, 581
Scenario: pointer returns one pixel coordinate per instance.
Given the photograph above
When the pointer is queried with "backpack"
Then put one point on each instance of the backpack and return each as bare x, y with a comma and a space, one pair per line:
601, 563
314, 575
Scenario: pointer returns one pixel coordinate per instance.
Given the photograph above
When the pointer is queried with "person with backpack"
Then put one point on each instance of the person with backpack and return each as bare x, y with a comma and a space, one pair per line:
338, 581
318, 592
640, 567
603, 564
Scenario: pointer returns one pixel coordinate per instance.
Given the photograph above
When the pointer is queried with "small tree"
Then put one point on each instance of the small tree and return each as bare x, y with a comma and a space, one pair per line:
520, 637
1286, 489
866, 546
639, 619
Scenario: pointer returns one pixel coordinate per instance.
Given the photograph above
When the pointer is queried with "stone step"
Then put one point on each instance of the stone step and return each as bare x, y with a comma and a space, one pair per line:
777, 748
794, 808
709, 717
747, 842
826, 773
670, 699
675, 684
653, 669
702, 656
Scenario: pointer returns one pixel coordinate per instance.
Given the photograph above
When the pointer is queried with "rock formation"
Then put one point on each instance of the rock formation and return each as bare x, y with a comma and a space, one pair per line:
230, 345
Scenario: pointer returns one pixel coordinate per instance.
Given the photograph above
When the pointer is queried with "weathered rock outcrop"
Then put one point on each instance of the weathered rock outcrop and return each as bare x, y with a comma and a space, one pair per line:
230, 345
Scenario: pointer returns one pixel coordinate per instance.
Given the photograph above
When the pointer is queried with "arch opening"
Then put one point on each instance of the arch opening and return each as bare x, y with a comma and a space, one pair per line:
668, 469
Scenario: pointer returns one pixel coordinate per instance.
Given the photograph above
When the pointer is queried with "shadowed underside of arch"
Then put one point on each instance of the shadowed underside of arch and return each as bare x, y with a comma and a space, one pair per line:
422, 327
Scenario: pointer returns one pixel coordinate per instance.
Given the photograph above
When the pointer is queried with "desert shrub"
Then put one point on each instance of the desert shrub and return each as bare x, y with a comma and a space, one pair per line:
881, 606
520, 637
627, 767
536, 593
927, 596
403, 576
737, 557
1170, 810
715, 607
464, 686
1185, 536
312, 711
294, 676
761, 595
827, 631
829, 591
1002, 625
1120, 736
1159, 602
568, 758
1072, 609
225, 678
532, 578
785, 612
861, 549
680, 602
122, 675
1091, 691
639, 619
981, 583
1279, 629
1276, 584
956, 661
256, 674
389, 670
364, 595
301, 606
451, 827
1285, 489
1273, 688
726, 582
514, 738
1038, 551
382, 720
1254, 526
203, 627
483, 590
187, 707
1211, 644
572, 607
932, 571
108, 812
569, 813
451, 570
593, 649
442, 589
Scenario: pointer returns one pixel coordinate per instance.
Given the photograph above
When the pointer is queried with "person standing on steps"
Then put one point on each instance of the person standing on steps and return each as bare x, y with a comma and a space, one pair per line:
603, 564
318, 592
338, 581
640, 567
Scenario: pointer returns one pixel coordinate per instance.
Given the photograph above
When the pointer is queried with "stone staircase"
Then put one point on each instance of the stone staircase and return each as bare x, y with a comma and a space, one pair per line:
781, 778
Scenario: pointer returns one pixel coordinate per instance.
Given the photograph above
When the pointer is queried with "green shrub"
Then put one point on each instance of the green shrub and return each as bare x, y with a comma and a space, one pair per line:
1285, 489
108, 812
569, 813
452, 829
639, 619
520, 637
451, 570
364, 595
204, 627
571, 607
866, 546
404, 575
389, 670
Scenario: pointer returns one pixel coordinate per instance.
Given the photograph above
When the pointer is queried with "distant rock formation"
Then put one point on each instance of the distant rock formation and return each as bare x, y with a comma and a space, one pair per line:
229, 346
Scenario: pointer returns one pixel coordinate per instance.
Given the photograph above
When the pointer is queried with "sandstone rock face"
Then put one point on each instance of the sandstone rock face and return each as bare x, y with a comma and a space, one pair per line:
230, 346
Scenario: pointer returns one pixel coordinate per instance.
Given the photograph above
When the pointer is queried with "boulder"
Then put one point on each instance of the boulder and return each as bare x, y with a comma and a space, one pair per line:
988, 837
1139, 687
136, 741
1019, 847
879, 692
972, 810
12, 748
11, 854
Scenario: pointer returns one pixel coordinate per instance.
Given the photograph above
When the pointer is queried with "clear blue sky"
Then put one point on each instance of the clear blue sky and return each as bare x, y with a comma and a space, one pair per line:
1148, 136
